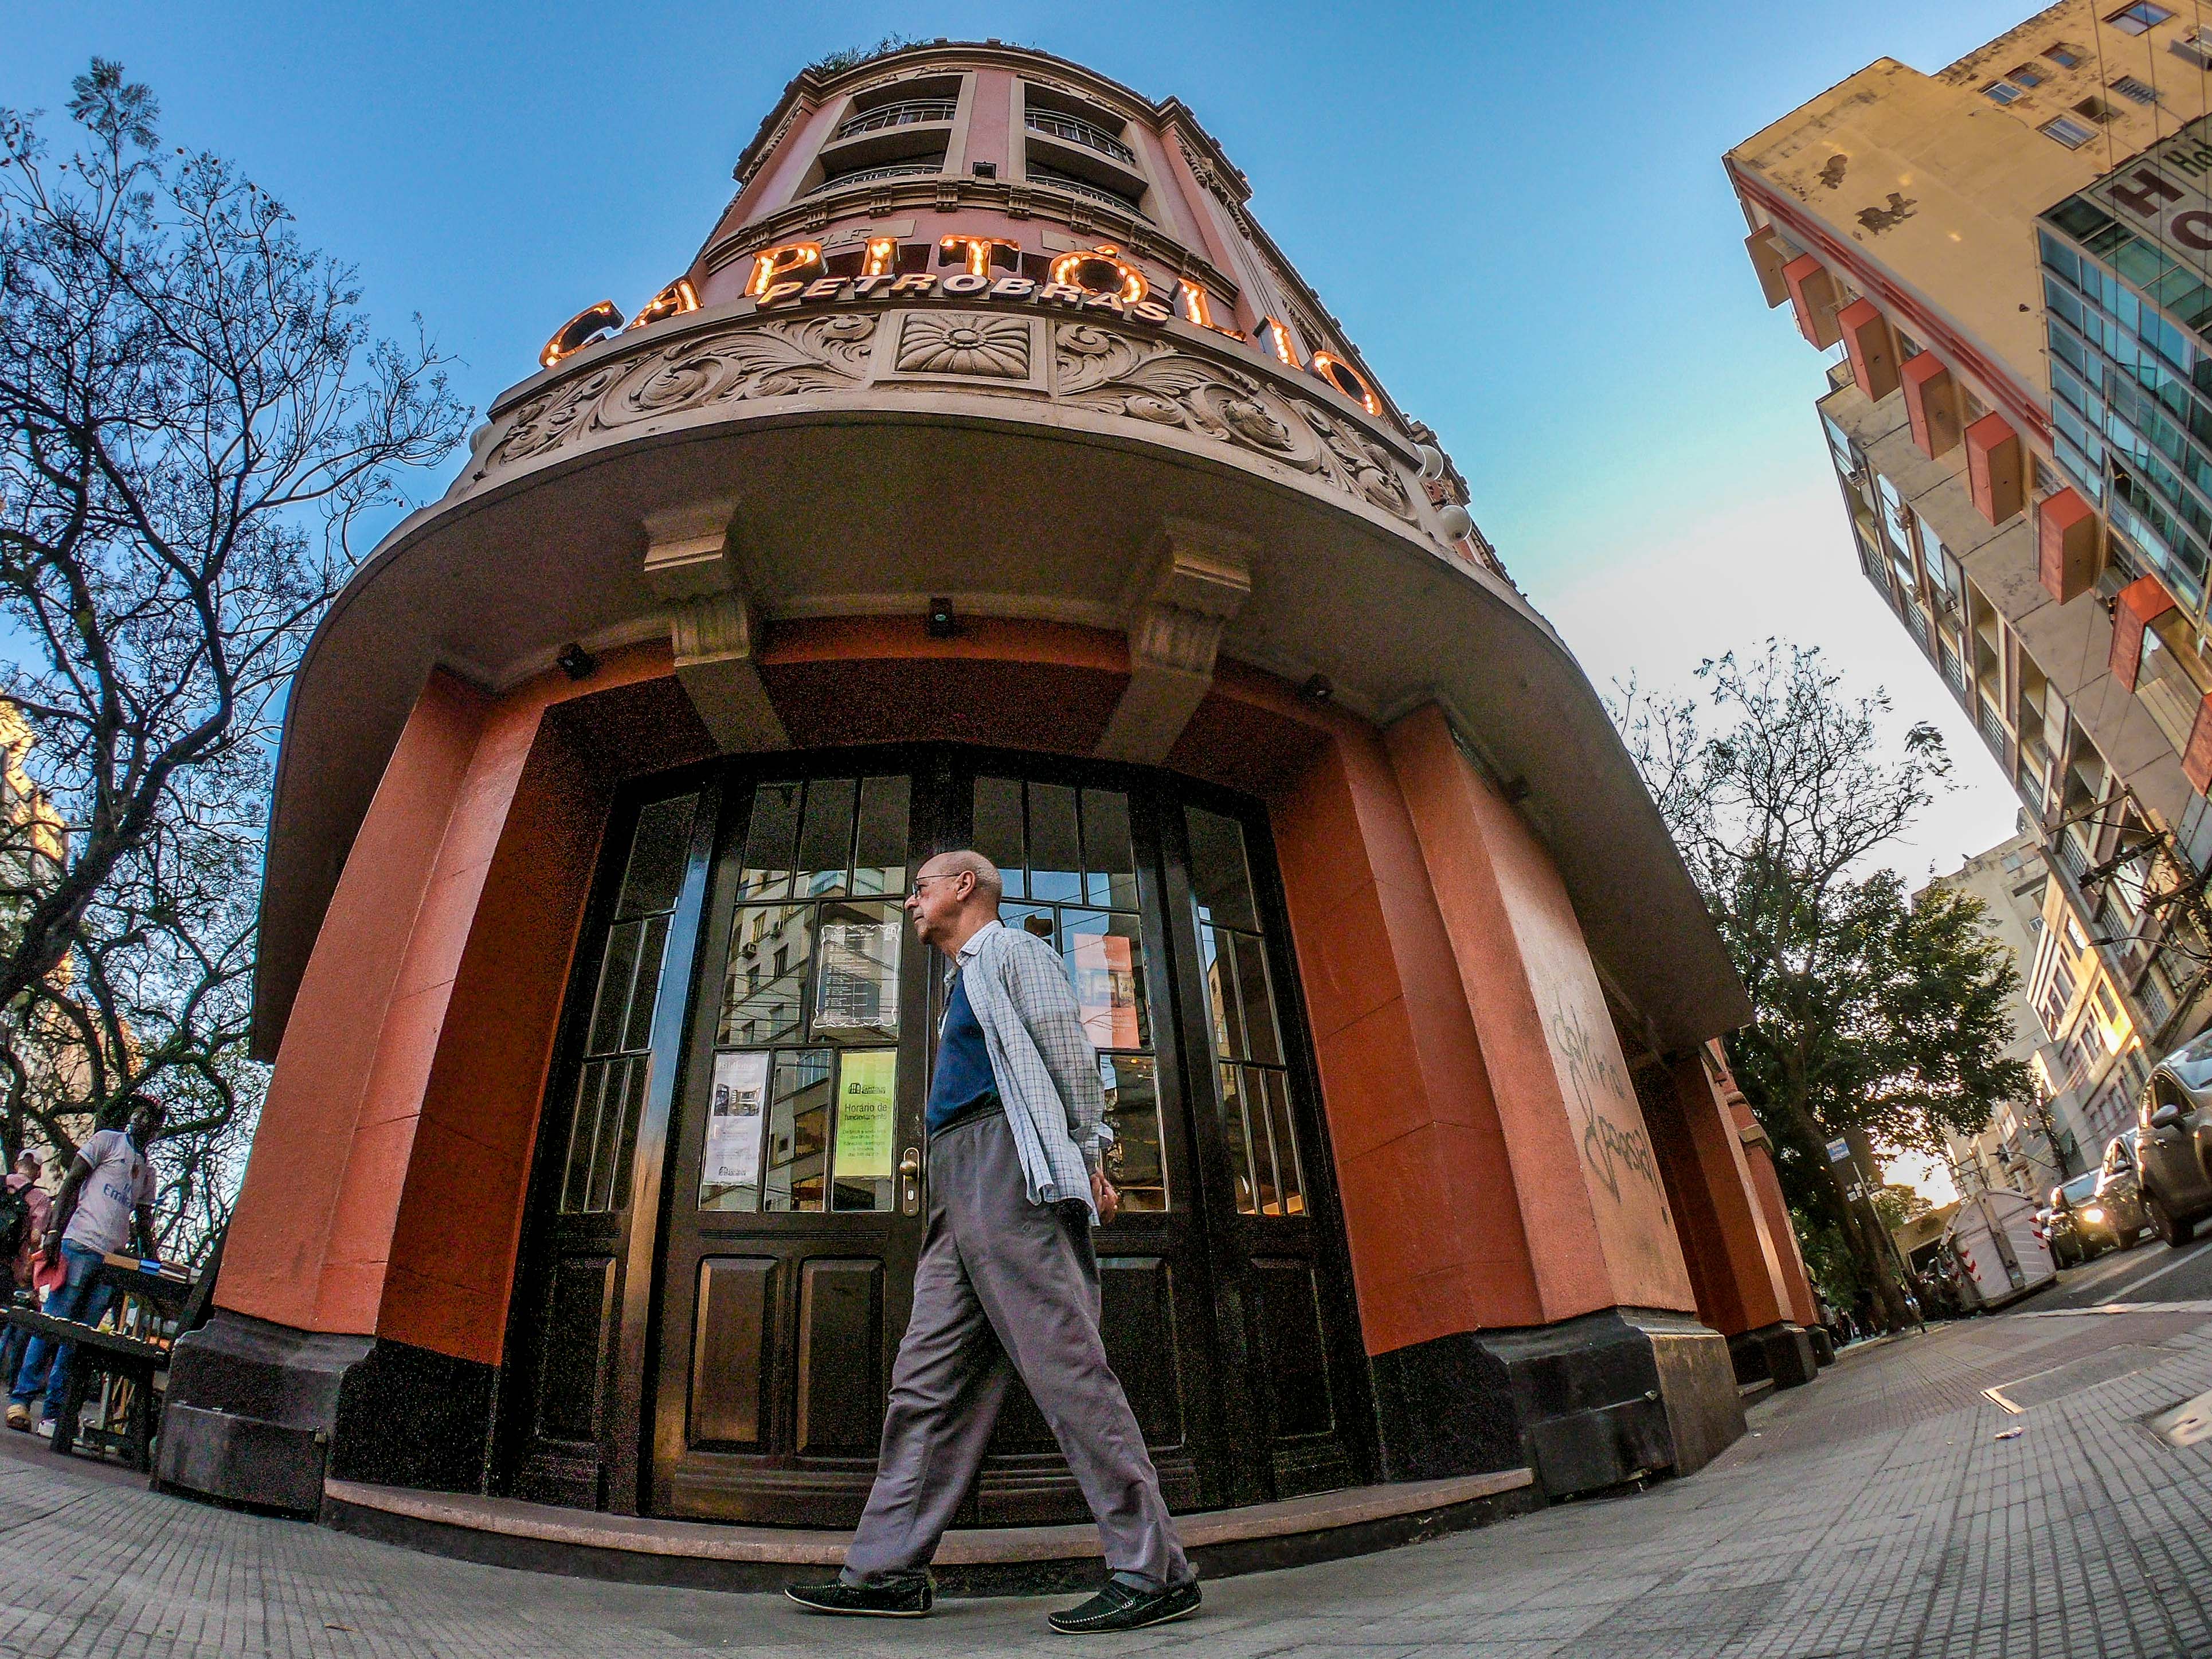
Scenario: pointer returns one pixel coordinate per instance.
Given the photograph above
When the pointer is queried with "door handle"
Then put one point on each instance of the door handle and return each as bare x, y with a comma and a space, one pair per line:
910, 1181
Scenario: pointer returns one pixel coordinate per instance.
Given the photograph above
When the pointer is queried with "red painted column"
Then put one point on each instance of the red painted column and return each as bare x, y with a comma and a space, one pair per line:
384, 1194
1756, 1292
1422, 1171
1584, 1178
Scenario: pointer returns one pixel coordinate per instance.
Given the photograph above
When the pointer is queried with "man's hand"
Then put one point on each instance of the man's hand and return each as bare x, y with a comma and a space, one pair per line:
1104, 1198
53, 1252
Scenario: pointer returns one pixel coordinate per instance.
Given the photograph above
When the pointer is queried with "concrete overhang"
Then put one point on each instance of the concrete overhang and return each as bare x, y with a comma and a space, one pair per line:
858, 492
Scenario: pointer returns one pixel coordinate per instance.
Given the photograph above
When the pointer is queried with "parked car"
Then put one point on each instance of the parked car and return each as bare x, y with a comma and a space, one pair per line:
2119, 1189
2074, 1237
2174, 1151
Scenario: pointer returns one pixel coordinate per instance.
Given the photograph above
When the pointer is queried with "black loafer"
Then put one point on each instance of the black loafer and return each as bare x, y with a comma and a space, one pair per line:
897, 1598
1118, 1607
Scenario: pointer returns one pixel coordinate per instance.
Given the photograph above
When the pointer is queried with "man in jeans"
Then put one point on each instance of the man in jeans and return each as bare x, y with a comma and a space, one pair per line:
1007, 1282
106, 1204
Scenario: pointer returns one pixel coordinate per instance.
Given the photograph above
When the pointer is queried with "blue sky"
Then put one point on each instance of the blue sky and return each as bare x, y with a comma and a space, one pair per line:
1517, 211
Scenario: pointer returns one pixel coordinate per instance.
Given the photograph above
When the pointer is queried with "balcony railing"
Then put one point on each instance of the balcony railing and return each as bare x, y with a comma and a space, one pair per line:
1054, 178
869, 176
1078, 131
915, 110
2072, 854
1993, 732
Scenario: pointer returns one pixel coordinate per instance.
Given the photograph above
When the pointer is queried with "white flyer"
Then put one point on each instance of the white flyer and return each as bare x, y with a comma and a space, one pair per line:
735, 1122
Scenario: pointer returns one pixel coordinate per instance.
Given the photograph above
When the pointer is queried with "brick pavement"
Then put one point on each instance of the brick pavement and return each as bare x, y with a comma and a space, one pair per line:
1872, 1514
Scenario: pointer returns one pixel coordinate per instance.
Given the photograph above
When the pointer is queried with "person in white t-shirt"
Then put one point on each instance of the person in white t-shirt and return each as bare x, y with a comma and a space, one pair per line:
106, 1204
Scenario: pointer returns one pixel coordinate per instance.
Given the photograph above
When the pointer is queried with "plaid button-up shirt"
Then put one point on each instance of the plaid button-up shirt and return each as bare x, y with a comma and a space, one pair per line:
1041, 1059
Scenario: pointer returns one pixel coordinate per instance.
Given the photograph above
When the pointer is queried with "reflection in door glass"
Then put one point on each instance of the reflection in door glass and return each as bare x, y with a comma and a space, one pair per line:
1056, 855
792, 1124
611, 1083
1256, 1109
1105, 957
764, 987
797, 1130
768, 839
825, 846
879, 840
1070, 871
1134, 1163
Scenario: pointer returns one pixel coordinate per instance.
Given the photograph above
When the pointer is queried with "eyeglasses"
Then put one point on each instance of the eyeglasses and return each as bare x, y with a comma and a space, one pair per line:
915, 891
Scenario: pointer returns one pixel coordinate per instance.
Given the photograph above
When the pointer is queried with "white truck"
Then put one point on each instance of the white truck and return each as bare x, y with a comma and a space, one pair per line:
1999, 1251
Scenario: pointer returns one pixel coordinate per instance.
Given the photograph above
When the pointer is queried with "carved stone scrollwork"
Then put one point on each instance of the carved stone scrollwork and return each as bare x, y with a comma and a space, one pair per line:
777, 359
1160, 380
1151, 380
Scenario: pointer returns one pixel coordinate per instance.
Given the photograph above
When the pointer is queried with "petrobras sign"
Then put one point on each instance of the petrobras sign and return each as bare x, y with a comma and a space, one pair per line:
2165, 195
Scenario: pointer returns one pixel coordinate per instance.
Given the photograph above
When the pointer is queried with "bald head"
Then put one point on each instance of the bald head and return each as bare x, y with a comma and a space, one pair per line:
988, 882
954, 894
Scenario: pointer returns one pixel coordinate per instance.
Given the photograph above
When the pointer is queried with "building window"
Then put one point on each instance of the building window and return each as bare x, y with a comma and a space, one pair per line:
2138, 19
2001, 92
2064, 56
2096, 109
2026, 74
2128, 87
2068, 131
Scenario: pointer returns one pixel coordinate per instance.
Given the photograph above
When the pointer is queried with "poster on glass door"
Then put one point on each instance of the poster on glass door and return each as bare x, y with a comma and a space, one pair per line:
859, 986
734, 1121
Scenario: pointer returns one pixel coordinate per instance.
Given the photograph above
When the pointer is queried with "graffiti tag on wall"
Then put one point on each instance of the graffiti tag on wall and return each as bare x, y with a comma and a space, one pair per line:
1593, 1074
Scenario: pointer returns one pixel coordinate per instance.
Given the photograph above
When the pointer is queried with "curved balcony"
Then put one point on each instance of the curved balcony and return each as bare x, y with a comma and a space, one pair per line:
832, 431
869, 176
1075, 131
910, 113
1053, 179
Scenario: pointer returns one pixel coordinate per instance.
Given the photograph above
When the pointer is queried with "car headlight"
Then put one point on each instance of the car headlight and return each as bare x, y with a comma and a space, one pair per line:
2093, 1214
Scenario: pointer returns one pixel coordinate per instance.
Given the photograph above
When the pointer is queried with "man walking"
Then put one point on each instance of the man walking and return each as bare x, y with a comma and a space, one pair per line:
106, 1204
1007, 1281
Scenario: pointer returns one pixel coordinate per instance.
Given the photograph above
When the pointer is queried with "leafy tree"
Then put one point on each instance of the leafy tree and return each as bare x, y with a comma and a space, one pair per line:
1897, 1205
195, 421
1875, 1016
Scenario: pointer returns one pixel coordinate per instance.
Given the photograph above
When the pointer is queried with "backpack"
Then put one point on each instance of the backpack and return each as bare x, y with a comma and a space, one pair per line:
15, 1221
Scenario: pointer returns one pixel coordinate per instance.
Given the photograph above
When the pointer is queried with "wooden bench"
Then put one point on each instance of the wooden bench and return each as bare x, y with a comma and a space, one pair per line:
128, 1359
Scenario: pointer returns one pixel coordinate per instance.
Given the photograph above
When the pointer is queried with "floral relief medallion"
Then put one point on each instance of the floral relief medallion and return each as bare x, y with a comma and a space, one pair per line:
953, 342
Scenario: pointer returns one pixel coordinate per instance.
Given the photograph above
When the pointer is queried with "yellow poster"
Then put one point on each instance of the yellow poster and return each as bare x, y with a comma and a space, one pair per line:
867, 1097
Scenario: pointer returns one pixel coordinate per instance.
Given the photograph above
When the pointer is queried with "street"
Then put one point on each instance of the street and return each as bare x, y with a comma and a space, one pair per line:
1875, 1512
2149, 1272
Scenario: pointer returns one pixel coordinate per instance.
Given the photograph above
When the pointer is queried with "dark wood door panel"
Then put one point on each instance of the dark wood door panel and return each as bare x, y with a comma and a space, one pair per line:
732, 1351
841, 1351
1294, 1347
579, 1310
1138, 1321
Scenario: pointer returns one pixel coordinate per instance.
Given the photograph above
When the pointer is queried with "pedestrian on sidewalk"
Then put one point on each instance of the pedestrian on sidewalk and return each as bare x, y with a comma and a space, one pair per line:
1007, 1282
32, 1206
106, 1204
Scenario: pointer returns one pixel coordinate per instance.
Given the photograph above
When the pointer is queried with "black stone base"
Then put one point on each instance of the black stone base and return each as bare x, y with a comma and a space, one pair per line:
1824, 1345
1587, 1403
257, 1413
1781, 1353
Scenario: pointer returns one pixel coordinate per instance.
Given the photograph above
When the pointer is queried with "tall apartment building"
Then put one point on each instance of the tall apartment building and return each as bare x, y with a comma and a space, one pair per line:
2026, 1146
2006, 264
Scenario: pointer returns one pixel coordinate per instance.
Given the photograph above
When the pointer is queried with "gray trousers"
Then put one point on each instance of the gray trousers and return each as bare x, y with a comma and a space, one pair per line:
1004, 1286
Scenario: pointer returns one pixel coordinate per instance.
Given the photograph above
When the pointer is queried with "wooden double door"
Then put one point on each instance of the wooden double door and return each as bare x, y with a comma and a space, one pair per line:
730, 1184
